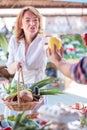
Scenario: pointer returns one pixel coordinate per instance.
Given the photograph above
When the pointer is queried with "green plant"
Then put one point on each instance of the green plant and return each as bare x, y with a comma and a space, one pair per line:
22, 122
83, 121
11, 91
3, 43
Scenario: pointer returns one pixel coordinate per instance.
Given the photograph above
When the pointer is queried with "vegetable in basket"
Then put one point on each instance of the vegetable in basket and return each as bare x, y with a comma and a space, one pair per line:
12, 90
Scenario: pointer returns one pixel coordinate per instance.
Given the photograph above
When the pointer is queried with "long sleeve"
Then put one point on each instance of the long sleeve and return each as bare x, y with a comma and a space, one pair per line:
12, 50
79, 71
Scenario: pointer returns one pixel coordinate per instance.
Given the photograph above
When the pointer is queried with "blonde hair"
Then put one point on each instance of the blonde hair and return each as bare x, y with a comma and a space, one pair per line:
19, 33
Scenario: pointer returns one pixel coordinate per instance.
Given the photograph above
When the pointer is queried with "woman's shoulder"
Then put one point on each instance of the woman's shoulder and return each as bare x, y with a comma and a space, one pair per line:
12, 41
13, 38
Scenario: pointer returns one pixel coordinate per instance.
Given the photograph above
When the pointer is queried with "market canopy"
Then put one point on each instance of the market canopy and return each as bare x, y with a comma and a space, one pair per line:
77, 1
43, 3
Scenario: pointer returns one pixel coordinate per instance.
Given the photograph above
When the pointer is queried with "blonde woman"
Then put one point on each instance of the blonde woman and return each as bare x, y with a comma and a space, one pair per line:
26, 47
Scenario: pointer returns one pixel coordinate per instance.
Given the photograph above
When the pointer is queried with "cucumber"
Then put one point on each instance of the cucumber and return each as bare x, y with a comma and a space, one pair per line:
50, 91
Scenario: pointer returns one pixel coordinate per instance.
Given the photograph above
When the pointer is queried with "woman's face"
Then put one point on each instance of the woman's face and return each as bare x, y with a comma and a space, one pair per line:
30, 23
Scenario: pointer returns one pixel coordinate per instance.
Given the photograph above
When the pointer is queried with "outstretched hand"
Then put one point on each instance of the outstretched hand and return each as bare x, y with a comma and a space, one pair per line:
54, 55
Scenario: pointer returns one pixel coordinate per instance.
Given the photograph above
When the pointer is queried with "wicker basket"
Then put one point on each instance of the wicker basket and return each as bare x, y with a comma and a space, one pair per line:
19, 106
23, 106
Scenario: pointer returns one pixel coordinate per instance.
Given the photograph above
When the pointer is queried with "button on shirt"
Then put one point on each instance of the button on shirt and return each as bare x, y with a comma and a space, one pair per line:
35, 60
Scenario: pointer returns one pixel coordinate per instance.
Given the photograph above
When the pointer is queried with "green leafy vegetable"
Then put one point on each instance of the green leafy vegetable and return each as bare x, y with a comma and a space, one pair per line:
44, 82
50, 91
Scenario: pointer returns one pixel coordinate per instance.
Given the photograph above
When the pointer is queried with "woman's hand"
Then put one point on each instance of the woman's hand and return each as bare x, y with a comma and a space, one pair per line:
55, 55
19, 65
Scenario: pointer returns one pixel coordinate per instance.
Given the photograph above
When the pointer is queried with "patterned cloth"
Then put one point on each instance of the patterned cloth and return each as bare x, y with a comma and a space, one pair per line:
79, 71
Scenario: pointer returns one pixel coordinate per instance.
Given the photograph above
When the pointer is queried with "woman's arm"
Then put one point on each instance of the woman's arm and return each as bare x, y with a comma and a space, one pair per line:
11, 64
64, 67
12, 68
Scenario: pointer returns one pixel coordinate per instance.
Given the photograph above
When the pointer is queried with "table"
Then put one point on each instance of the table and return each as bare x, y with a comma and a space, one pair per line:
72, 94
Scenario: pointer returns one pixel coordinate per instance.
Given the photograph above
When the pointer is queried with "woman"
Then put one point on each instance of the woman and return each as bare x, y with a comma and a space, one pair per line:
26, 47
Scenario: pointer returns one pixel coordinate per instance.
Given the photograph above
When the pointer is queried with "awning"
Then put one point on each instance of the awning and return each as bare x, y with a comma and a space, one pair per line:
77, 1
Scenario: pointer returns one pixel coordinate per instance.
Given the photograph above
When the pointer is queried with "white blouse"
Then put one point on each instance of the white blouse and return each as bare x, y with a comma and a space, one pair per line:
35, 60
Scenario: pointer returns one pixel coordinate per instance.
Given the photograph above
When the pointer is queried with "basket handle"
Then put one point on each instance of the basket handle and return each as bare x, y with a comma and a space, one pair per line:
18, 85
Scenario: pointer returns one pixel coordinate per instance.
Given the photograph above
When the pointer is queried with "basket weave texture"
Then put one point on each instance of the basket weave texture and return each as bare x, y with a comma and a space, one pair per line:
21, 106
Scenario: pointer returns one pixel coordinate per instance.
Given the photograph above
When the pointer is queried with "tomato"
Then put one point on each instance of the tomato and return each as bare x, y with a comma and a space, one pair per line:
7, 128
43, 122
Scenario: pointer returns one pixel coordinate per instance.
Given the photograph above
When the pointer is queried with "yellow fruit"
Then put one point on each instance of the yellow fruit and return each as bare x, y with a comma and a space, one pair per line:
56, 41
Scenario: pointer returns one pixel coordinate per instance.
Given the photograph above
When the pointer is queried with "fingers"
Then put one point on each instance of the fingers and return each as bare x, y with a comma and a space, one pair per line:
19, 66
62, 51
48, 52
58, 53
54, 53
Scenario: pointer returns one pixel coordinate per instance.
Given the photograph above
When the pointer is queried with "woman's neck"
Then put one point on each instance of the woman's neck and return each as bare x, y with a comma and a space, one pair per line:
28, 39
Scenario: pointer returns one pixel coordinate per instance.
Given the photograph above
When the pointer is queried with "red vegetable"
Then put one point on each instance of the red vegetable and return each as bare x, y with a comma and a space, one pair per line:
7, 128
85, 39
43, 122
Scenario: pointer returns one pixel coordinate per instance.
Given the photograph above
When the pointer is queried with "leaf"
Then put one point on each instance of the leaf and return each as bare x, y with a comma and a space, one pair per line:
50, 91
22, 122
44, 82
11, 118
11, 95
3, 43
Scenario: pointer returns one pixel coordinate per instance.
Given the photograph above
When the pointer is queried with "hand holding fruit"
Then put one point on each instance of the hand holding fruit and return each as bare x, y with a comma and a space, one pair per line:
55, 50
54, 41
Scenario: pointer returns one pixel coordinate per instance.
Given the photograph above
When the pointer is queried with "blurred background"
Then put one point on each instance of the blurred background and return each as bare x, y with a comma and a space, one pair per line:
66, 19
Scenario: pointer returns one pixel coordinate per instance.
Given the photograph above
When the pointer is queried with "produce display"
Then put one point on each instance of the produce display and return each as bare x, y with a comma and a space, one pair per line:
54, 41
61, 117
56, 117
6, 124
82, 107
58, 113
73, 45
